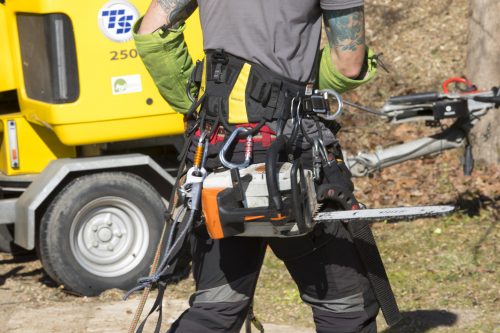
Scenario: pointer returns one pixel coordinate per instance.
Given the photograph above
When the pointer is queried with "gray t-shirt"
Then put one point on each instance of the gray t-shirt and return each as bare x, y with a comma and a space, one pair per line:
282, 35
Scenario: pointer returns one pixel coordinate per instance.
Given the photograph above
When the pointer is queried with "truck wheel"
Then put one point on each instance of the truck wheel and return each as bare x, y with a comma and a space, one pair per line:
101, 232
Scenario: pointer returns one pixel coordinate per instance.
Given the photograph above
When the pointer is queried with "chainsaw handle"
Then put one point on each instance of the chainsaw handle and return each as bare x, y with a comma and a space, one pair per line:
272, 180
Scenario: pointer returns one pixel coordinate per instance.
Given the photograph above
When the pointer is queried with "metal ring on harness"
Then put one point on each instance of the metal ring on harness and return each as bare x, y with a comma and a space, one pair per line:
340, 102
248, 149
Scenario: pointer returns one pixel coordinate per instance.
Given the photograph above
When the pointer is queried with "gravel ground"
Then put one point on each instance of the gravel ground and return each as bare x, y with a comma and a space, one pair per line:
31, 303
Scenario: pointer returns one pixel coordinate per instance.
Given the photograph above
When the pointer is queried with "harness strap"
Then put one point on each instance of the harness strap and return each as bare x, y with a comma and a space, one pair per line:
146, 288
157, 306
251, 319
167, 268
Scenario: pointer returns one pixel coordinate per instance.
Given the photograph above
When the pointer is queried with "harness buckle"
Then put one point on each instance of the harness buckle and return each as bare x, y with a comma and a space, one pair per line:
220, 59
319, 104
219, 76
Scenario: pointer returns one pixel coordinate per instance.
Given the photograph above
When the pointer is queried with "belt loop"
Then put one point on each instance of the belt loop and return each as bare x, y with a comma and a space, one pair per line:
275, 94
197, 73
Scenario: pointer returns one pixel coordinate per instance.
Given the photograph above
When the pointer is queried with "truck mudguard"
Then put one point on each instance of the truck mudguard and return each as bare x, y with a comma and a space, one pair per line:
56, 174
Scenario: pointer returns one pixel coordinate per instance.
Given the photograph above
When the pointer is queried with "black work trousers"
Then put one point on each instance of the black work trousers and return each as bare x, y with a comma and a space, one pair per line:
324, 264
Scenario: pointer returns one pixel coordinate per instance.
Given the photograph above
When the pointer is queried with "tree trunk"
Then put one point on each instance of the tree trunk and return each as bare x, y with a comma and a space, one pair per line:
483, 69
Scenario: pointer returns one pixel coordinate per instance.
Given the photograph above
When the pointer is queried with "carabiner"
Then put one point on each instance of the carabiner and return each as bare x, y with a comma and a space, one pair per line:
248, 149
200, 151
320, 146
295, 104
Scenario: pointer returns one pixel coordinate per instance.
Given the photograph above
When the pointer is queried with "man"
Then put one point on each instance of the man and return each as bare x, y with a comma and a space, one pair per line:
281, 36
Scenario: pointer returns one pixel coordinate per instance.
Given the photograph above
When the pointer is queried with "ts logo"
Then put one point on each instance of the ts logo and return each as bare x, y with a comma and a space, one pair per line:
116, 19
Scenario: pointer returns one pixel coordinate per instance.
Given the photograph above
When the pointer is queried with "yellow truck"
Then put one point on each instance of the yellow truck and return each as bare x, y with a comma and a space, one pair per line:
88, 146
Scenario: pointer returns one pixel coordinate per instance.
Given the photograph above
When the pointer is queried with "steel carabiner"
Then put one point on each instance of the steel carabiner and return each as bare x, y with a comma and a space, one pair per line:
248, 149
318, 144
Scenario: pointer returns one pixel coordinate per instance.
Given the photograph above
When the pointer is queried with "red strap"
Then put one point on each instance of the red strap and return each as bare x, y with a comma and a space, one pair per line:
266, 135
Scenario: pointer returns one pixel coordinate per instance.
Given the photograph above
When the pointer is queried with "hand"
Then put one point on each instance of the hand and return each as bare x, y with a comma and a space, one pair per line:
166, 13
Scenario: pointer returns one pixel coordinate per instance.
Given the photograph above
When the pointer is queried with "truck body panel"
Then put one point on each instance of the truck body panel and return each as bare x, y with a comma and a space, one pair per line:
35, 146
113, 85
7, 76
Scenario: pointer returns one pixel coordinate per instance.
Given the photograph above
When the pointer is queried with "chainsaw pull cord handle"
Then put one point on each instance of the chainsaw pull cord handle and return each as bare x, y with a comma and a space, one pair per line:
272, 180
248, 149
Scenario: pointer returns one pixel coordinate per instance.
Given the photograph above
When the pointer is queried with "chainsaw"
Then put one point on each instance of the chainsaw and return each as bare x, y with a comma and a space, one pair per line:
279, 199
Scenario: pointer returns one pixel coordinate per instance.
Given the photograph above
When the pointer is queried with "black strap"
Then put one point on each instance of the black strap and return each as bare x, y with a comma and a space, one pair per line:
157, 306
169, 262
251, 319
197, 74
364, 241
167, 268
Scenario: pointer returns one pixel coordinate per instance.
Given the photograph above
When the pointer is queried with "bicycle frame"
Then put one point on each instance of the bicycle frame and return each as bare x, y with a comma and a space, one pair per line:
466, 108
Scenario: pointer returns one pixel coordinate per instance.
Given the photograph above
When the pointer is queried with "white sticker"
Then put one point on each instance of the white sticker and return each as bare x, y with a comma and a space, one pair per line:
126, 84
116, 19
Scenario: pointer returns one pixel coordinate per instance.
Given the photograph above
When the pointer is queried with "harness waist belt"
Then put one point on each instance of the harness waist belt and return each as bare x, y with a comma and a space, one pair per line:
238, 92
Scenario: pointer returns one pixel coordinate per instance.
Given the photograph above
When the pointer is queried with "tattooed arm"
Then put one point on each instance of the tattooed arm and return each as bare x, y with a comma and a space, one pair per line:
346, 35
166, 12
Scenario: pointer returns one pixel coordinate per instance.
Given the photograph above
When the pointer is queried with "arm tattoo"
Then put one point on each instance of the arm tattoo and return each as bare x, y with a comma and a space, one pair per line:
177, 10
345, 28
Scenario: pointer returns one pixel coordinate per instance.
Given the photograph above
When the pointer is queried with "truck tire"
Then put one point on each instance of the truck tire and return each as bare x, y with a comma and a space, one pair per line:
101, 232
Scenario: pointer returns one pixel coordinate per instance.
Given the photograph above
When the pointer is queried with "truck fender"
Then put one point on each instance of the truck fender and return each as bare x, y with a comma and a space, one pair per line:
32, 203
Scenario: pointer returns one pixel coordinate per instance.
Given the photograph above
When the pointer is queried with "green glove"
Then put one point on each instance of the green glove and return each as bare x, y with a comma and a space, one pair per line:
166, 57
330, 78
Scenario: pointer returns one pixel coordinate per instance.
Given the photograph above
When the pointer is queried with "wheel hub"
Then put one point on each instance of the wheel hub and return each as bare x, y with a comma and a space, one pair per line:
103, 230
109, 236
105, 234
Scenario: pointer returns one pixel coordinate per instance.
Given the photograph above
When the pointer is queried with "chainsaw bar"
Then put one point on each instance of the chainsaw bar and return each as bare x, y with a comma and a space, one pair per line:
390, 214
290, 229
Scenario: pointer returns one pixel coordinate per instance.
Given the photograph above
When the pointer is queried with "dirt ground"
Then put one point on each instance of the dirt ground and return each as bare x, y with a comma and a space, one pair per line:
31, 303
423, 43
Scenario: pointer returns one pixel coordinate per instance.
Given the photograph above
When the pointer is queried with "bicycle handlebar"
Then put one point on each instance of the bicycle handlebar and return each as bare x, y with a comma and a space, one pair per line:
426, 97
488, 99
